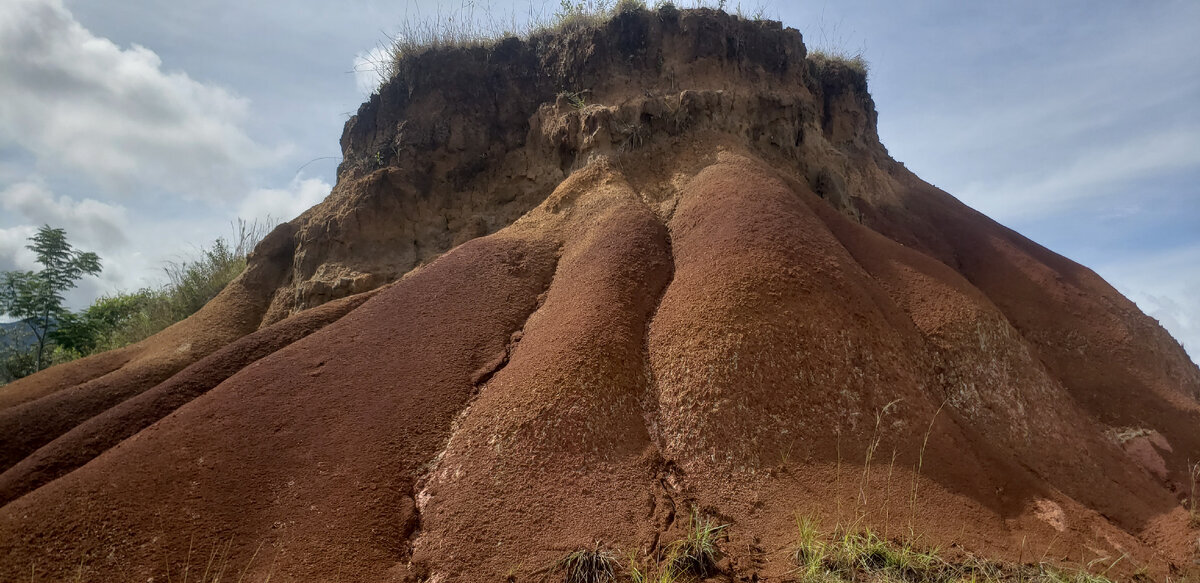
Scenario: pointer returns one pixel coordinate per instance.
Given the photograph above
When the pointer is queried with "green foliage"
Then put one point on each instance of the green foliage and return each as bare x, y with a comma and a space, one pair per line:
85, 332
865, 552
36, 297
16, 363
624, 6
581, 13
809, 553
190, 285
117, 320
574, 99
865, 556
697, 553
667, 11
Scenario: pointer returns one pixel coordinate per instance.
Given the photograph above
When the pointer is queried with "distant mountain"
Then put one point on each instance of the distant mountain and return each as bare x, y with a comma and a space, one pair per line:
15, 334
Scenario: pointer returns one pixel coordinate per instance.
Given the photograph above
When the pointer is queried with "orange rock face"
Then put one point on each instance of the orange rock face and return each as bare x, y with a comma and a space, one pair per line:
698, 284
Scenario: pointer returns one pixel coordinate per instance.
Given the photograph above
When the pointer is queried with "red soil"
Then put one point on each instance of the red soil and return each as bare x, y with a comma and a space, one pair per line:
94, 436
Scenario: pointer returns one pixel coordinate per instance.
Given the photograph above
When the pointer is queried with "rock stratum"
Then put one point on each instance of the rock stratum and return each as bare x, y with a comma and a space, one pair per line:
569, 290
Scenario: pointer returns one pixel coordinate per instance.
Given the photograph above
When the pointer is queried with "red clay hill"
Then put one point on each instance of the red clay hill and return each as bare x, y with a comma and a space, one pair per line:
569, 291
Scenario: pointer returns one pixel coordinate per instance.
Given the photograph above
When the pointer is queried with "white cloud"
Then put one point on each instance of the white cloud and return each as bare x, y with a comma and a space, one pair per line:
284, 204
91, 225
88, 220
1105, 171
370, 68
77, 101
1025, 123
13, 254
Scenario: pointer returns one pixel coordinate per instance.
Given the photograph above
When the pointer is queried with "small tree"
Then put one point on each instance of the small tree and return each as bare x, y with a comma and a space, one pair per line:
36, 298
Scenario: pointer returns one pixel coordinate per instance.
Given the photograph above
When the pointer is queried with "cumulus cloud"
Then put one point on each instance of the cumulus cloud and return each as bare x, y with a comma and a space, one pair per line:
77, 101
13, 254
266, 204
90, 220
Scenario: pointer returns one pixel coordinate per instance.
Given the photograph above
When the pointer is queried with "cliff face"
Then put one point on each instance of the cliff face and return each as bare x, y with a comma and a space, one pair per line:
588, 284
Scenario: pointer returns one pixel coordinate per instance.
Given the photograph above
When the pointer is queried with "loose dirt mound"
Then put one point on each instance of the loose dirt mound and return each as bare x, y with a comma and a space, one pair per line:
696, 285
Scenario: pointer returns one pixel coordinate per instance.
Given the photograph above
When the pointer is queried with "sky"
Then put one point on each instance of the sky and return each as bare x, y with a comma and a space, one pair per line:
145, 128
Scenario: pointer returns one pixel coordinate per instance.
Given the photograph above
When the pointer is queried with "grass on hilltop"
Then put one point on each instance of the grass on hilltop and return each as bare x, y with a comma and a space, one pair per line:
472, 24
824, 58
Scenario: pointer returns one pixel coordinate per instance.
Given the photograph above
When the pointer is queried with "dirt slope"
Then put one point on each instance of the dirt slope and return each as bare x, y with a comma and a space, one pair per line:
697, 284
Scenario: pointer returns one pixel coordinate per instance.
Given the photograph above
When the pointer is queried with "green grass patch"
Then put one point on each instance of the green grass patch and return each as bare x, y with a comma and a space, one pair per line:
864, 556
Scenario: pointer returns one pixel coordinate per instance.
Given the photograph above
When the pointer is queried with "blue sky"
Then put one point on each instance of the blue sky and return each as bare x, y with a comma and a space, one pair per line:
145, 127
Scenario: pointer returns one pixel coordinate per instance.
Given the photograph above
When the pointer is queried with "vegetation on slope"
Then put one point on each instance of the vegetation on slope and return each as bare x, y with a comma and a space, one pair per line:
839, 556
124, 318
129, 317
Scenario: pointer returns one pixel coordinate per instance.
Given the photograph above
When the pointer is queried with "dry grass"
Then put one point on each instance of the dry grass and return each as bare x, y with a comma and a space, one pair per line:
826, 58
1122, 435
853, 553
475, 24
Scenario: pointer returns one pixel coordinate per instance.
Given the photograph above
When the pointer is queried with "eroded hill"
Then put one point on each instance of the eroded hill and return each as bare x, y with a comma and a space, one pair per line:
569, 291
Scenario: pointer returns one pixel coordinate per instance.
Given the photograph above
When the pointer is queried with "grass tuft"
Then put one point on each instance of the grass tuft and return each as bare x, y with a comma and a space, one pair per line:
589, 566
697, 553
574, 99
809, 553
826, 58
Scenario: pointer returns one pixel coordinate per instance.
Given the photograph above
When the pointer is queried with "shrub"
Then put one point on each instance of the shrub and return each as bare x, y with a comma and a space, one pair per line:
624, 6
82, 333
16, 363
